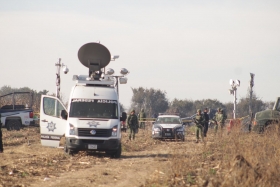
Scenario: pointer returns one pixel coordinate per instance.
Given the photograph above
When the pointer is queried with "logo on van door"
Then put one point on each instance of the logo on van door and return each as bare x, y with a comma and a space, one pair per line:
93, 123
51, 126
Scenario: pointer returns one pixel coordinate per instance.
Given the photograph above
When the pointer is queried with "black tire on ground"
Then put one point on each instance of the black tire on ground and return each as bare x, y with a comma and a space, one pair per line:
69, 151
117, 154
13, 125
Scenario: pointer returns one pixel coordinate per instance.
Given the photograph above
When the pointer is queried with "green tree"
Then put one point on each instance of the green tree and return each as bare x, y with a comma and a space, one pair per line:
183, 107
188, 107
151, 100
243, 106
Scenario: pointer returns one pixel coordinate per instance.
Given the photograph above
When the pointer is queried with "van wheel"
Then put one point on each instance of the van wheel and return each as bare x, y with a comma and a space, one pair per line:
68, 151
117, 154
13, 125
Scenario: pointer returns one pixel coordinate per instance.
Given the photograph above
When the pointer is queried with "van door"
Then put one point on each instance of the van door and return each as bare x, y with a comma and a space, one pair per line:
52, 126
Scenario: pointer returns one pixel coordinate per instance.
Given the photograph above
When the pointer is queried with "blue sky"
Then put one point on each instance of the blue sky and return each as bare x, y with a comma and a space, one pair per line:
190, 49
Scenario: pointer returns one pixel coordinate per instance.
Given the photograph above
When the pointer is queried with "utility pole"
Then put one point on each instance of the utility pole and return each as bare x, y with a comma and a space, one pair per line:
65, 70
250, 101
58, 65
233, 91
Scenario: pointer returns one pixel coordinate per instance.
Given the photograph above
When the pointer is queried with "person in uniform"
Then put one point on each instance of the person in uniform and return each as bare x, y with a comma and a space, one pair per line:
199, 122
1, 143
220, 118
132, 122
224, 118
142, 119
206, 121
215, 120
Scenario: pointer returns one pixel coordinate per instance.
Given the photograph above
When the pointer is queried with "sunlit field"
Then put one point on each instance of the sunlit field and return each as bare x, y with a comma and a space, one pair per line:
227, 159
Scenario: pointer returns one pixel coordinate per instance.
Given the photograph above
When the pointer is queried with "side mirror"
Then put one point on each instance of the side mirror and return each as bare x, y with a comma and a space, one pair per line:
63, 114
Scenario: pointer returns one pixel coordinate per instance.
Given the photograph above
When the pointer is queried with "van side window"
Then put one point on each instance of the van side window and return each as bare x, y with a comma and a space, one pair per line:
52, 107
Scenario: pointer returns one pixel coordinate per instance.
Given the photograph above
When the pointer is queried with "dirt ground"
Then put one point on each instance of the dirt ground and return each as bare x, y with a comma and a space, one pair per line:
143, 162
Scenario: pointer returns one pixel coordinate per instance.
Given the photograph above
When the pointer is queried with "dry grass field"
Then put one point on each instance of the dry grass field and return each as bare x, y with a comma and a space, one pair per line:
235, 159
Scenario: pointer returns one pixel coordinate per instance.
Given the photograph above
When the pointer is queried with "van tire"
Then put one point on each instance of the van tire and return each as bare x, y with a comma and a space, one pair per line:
68, 151
13, 125
117, 154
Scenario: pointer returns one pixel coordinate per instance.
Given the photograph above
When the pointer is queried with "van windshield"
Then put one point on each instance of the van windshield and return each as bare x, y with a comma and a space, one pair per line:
94, 108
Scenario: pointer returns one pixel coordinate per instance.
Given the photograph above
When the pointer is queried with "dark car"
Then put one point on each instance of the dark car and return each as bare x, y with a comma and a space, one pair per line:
168, 127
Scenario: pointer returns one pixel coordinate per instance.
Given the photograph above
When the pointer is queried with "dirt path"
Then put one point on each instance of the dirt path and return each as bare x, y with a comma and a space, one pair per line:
134, 168
131, 170
27, 163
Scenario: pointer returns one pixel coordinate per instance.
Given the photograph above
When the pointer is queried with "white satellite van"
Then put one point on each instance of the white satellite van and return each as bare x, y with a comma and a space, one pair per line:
92, 120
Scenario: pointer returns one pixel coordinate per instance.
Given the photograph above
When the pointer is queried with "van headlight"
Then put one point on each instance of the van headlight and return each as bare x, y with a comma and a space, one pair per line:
72, 129
156, 129
115, 130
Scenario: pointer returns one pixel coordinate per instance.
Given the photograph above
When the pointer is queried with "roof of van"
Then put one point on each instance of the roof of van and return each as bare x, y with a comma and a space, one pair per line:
94, 92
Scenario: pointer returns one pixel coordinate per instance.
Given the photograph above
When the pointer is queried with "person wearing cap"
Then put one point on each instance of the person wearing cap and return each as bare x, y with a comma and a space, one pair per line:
206, 121
199, 122
142, 117
132, 122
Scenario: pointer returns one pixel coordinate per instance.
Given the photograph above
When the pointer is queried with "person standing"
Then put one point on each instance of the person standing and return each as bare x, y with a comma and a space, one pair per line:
220, 119
142, 119
206, 121
224, 115
215, 120
123, 121
132, 122
223, 118
199, 122
1, 143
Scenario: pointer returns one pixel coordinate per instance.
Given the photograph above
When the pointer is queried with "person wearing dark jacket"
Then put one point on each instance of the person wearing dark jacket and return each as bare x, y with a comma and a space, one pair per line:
132, 122
206, 121
123, 121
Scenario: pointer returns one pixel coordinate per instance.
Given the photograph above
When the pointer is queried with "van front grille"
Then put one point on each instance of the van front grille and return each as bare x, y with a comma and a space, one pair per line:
90, 132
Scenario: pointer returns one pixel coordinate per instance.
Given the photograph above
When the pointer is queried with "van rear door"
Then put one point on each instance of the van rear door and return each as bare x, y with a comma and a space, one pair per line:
52, 126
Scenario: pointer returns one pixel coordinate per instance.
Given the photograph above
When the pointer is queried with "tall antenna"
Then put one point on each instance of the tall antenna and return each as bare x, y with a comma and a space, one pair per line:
65, 70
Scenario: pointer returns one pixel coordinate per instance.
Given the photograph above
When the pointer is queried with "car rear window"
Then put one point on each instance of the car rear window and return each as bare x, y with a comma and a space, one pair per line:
169, 120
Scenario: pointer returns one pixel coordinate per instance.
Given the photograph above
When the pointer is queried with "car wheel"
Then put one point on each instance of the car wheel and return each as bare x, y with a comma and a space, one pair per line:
13, 125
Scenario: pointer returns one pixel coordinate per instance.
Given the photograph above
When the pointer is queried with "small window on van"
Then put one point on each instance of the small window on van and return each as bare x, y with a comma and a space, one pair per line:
52, 107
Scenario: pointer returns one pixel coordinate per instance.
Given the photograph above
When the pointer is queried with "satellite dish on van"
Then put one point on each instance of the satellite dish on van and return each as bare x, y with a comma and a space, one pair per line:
94, 56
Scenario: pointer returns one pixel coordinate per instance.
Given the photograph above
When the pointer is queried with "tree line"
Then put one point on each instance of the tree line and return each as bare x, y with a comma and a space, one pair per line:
155, 101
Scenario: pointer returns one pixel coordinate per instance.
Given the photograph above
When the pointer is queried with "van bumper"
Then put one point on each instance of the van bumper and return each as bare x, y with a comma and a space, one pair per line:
89, 144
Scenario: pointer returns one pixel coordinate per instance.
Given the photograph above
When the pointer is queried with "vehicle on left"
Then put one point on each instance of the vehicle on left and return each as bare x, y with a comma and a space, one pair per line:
14, 116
